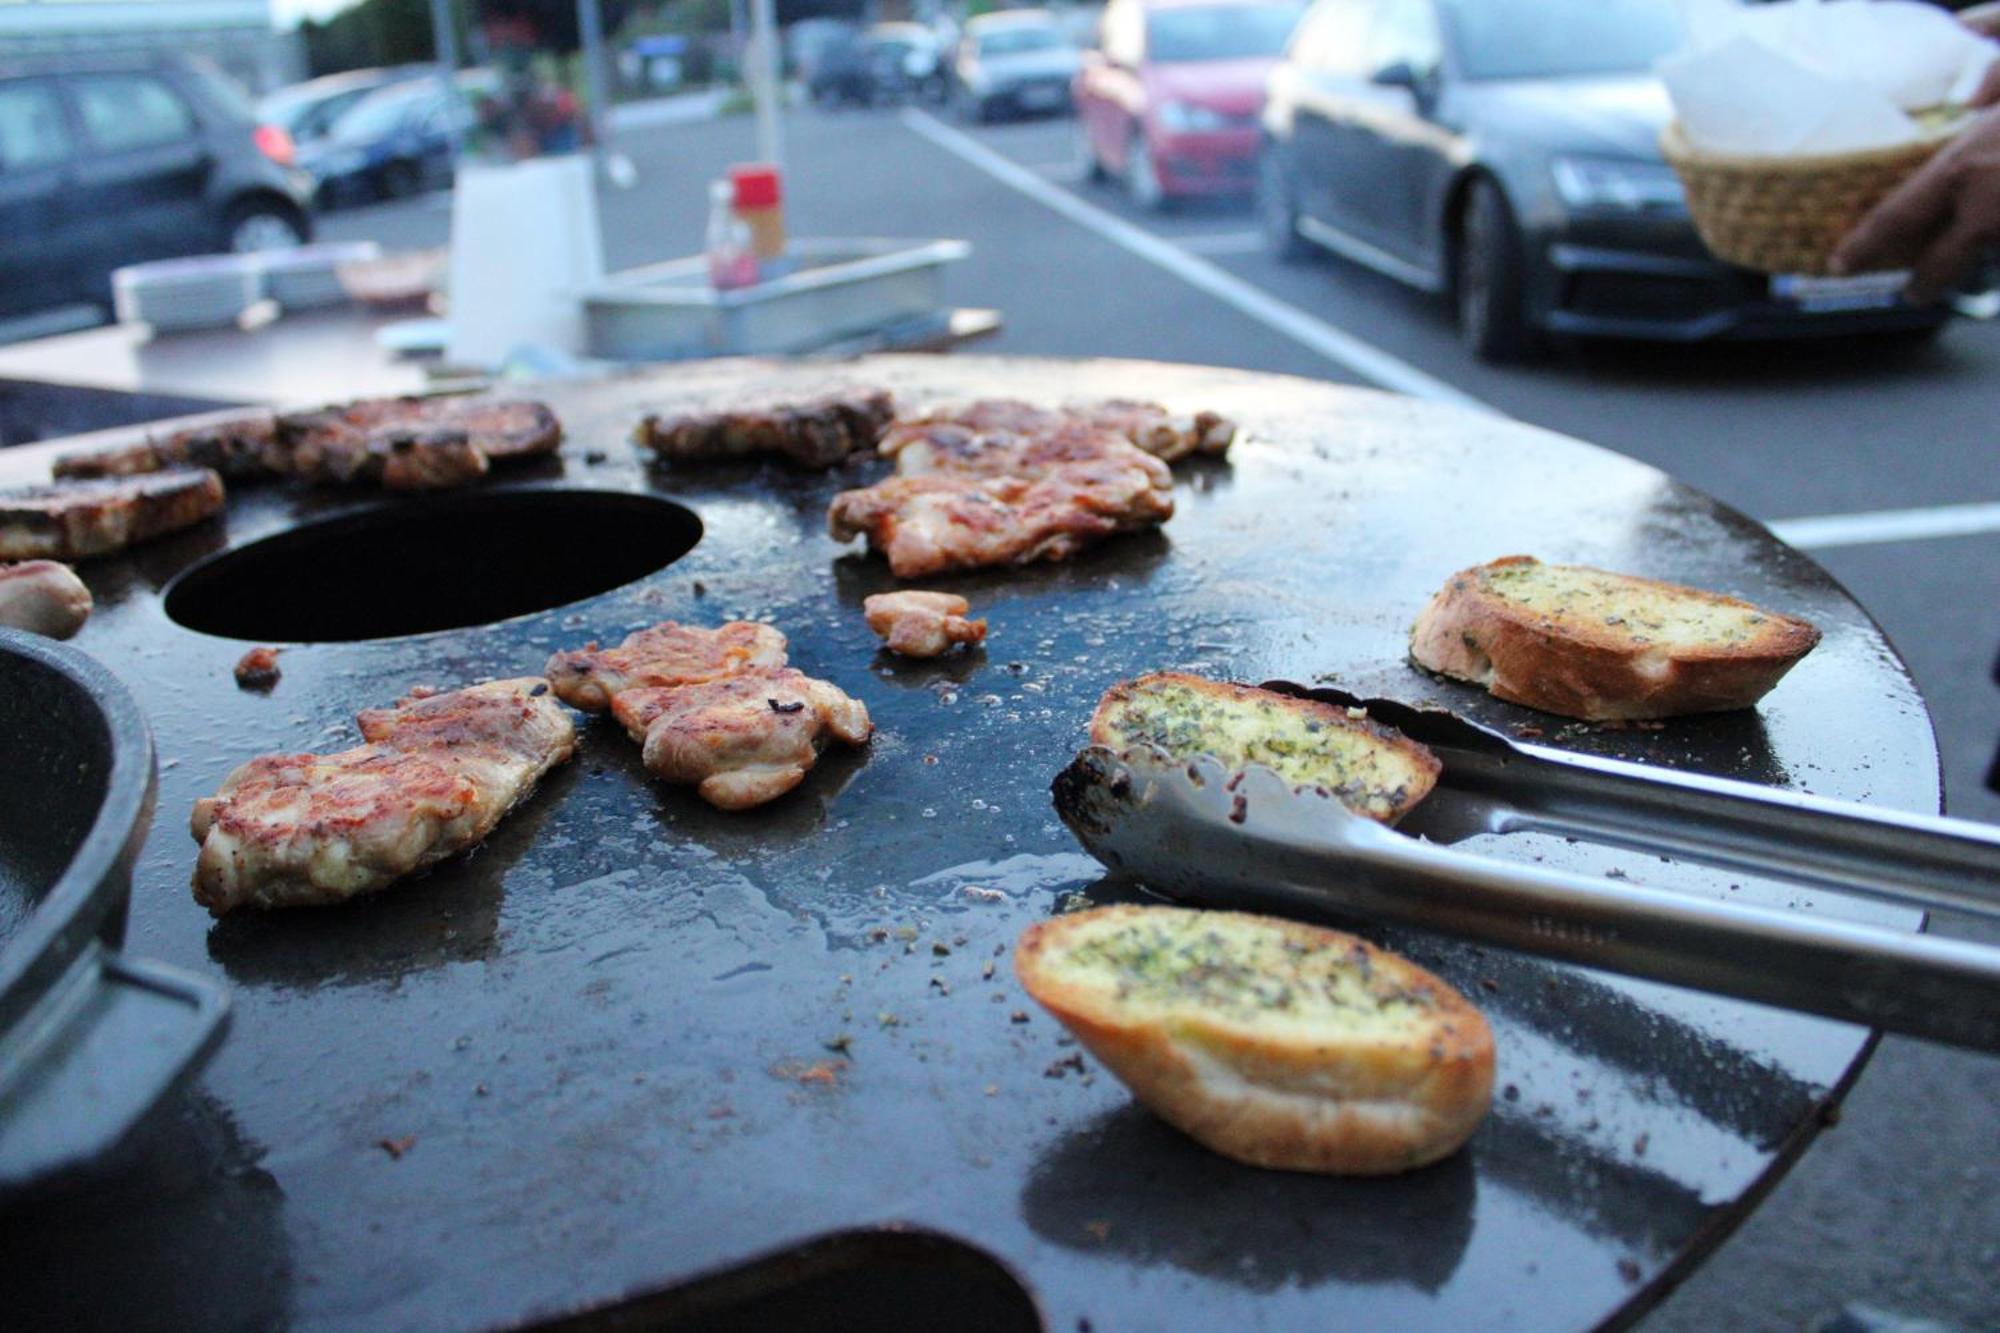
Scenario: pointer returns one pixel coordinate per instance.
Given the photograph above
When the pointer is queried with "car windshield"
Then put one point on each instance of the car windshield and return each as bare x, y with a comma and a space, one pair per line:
1223, 32
376, 117
1548, 39
1013, 41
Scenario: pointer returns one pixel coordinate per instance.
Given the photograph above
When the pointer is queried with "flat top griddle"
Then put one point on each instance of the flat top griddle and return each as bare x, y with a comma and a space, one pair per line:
600, 1045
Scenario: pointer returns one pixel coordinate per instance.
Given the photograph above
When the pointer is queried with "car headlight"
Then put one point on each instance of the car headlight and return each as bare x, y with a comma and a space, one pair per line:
1618, 185
1183, 117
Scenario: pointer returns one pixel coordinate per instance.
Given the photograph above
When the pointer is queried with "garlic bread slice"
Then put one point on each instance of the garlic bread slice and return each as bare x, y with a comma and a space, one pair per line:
1373, 770
1274, 1043
1596, 645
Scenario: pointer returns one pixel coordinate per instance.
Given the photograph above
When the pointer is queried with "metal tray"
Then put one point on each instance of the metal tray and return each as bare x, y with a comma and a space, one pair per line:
839, 289
600, 1044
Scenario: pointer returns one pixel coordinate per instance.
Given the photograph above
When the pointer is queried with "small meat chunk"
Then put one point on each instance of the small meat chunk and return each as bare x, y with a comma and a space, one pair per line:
811, 433
498, 428
932, 524
668, 654
73, 520
743, 739
437, 773
922, 624
43, 597
258, 670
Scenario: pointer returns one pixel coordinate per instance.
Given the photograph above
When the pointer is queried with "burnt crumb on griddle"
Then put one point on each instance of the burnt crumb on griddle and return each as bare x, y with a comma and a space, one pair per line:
595, 457
795, 706
1064, 1066
1629, 1269
258, 670
397, 1147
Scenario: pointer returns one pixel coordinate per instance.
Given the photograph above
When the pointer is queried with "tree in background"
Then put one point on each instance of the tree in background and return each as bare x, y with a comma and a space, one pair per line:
374, 32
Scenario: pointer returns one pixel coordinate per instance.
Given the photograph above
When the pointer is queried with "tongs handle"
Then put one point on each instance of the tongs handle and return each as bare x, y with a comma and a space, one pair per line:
1921, 985
1923, 861
1252, 841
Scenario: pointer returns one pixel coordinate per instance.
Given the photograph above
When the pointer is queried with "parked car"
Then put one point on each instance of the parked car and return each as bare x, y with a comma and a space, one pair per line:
1505, 153
1169, 100
394, 142
890, 62
306, 111
1016, 60
108, 163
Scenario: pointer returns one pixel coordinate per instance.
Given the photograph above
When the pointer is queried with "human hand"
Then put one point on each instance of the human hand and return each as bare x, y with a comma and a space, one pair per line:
1937, 222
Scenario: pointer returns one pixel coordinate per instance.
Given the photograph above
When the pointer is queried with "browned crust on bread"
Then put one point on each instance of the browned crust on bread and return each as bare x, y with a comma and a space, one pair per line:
1333, 1104
1386, 804
1576, 668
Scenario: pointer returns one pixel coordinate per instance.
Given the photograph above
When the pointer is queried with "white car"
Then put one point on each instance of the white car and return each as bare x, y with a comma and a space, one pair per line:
1021, 60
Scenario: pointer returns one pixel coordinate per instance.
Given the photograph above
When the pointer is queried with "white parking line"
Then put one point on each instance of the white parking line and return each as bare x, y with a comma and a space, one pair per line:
1889, 525
1336, 345
1224, 243
1062, 173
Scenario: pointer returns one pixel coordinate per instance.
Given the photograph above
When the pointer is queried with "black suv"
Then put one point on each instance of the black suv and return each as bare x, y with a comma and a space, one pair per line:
104, 164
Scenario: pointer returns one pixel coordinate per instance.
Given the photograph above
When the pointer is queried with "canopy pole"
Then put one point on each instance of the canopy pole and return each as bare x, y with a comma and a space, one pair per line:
444, 41
590, 28
765, 88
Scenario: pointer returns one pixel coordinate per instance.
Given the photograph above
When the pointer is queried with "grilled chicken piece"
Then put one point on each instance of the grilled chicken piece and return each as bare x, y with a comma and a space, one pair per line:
931, 524
43, 597
812, 433
499, 428
743, 739
437, 773
72, 520
1147, 426
922, 624
955, 451
397, 443
243, 447
668, 654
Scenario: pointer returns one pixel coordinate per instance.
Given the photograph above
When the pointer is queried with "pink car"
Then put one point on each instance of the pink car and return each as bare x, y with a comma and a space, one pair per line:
1170, 98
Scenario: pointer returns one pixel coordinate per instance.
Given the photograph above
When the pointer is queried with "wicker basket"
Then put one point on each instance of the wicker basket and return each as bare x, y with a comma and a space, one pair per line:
1786, 214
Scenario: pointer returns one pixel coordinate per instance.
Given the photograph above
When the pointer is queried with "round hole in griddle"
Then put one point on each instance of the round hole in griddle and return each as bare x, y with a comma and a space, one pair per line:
428, 563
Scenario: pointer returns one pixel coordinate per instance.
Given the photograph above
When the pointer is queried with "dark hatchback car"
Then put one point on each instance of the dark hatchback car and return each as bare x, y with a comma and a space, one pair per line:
1505, 153
108, 164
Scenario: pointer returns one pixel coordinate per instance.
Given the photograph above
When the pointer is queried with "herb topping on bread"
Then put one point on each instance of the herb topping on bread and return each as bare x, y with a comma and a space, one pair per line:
1373, 770
1272, 1042
1587, 643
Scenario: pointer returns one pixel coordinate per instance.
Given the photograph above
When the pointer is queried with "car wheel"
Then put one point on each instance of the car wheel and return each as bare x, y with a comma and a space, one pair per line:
254, 227
1276, 209
400, 180
1142, 175
1489, 278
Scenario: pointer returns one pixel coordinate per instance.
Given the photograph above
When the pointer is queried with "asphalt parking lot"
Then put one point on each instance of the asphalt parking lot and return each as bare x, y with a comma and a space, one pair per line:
1881, 461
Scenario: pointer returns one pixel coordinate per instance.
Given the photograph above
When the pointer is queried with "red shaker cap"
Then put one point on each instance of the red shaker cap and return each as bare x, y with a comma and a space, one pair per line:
756, 185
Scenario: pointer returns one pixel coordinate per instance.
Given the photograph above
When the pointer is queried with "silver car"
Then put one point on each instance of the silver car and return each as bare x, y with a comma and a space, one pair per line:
1019, 61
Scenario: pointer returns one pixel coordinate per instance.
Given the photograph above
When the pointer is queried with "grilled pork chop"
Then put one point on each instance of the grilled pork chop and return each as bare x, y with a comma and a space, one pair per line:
932, 524
922, 624
437, 773
668, 654
742, 739
397, 443
812, 433
242, 447
72, 520
43, 597
1147, 426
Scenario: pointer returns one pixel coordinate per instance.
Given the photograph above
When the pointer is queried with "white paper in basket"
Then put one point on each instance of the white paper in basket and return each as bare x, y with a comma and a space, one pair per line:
1803, 77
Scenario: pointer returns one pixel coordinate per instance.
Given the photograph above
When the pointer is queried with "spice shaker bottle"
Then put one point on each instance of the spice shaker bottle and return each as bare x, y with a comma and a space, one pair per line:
760, 203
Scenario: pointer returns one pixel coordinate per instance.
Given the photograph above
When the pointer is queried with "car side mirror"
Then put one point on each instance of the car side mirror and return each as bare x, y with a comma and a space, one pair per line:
1421, 84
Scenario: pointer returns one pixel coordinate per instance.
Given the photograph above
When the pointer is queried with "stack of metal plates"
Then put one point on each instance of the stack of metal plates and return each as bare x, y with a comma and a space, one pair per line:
204, 292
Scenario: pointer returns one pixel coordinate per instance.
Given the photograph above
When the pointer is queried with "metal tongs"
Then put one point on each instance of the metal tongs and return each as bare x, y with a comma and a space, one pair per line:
1194, 831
